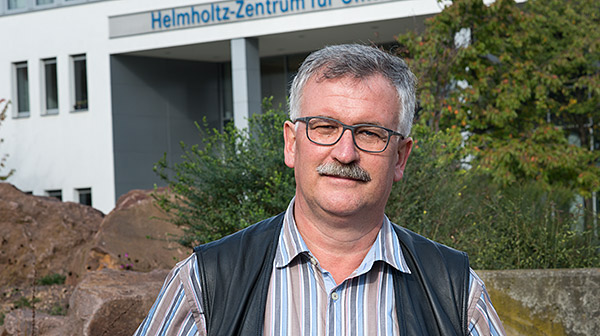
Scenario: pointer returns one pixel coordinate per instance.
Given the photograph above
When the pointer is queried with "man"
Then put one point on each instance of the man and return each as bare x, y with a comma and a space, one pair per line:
332, 264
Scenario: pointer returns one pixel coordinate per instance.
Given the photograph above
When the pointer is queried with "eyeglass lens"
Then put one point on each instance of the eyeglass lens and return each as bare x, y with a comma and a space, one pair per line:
366, 137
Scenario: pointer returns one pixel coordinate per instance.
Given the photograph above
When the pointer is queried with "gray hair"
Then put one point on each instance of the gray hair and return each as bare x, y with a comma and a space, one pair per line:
360, 62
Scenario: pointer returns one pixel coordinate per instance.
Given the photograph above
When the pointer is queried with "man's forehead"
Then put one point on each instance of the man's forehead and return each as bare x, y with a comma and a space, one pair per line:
372, 83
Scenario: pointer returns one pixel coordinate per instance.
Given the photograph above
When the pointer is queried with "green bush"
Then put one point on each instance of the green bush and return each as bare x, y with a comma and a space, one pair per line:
24, 302
4, 176
57, 310
526, 226
236, 178
431, 185
231, 180
523, 225
51, 279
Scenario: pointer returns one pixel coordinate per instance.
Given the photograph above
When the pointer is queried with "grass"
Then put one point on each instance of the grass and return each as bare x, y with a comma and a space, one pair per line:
57, 310
24, 302
51, 279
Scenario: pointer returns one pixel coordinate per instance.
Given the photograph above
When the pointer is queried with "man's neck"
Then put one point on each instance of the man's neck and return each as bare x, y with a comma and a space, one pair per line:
339, 244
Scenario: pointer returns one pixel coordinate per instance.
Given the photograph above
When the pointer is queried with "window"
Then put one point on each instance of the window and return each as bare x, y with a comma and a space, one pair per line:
44, 2
17, 4
50, 86
85, 196
80, 97
54, 193
22, 89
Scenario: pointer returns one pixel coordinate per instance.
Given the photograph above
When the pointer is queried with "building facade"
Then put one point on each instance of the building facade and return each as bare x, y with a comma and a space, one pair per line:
101, 89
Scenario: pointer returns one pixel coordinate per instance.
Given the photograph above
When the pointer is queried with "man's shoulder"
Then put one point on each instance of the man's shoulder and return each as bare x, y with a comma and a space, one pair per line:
236, 270
439, 277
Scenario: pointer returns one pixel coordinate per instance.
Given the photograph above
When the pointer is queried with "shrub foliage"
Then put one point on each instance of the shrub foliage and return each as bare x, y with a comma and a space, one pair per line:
235, 178
230, 180
51, 279
523, 225
3, 157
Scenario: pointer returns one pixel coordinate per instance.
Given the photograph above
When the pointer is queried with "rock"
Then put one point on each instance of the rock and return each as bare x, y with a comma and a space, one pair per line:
111, 302
106, 302
81, 243
44, 233
20, 322
136, 236
52, 300
546, 302
70, 239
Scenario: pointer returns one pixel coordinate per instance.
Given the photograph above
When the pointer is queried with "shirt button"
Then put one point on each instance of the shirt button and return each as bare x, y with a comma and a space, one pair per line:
313, 261
335, 296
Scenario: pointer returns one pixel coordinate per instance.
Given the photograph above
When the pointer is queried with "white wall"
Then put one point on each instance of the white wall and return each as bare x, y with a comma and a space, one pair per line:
72, 149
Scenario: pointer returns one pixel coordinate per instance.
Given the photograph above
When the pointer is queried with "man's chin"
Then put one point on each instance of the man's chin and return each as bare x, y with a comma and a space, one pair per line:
344, 204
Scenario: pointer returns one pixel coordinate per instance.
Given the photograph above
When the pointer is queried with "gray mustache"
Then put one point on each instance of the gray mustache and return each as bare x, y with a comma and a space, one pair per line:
352, 171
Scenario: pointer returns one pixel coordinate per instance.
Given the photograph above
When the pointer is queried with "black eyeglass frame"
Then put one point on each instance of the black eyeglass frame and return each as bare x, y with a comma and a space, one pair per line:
352, 129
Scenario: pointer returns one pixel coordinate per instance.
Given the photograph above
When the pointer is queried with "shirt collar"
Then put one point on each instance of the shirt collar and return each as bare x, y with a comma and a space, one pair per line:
386, 247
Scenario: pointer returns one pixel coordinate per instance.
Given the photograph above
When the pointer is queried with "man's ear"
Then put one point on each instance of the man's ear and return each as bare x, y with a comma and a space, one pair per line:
404, 149
289, 148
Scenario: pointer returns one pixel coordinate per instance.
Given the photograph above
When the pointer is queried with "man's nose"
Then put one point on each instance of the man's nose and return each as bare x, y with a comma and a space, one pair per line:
344, 150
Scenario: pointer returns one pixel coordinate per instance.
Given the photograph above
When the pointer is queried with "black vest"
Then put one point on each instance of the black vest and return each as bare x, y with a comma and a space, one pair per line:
235, 272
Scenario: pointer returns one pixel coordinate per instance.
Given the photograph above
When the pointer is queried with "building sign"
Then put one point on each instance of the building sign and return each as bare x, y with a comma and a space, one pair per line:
219, 13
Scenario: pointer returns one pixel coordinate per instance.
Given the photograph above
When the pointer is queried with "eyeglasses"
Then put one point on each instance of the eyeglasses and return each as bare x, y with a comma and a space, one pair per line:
328, 131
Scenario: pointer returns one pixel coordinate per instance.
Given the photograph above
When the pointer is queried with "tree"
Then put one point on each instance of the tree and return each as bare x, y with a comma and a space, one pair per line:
518, 83
4, 176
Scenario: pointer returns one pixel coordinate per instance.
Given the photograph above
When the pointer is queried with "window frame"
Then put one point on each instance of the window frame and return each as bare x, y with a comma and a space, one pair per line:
81, 105
54, 3
82, 192
56, 193
44, 86
17, 93
32, 5
25, 8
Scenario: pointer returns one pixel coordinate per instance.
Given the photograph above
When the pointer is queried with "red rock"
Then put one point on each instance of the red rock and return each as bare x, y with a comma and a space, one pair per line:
93, 251
42, 232
136, 236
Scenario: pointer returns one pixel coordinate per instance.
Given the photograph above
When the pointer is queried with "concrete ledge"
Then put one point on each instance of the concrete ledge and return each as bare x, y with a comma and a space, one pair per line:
546, 302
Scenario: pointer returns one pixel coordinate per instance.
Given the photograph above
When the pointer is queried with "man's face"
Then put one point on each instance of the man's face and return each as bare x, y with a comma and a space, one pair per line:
372, 100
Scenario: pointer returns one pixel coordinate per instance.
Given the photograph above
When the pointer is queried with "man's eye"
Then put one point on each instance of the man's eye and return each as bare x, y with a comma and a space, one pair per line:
371, 133
368, 133
324, 126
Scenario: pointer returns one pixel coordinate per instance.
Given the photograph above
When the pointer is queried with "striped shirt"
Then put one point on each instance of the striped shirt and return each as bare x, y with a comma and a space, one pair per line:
303, 298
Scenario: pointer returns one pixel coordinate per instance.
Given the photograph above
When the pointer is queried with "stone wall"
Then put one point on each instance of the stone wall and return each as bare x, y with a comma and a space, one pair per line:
546, 302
